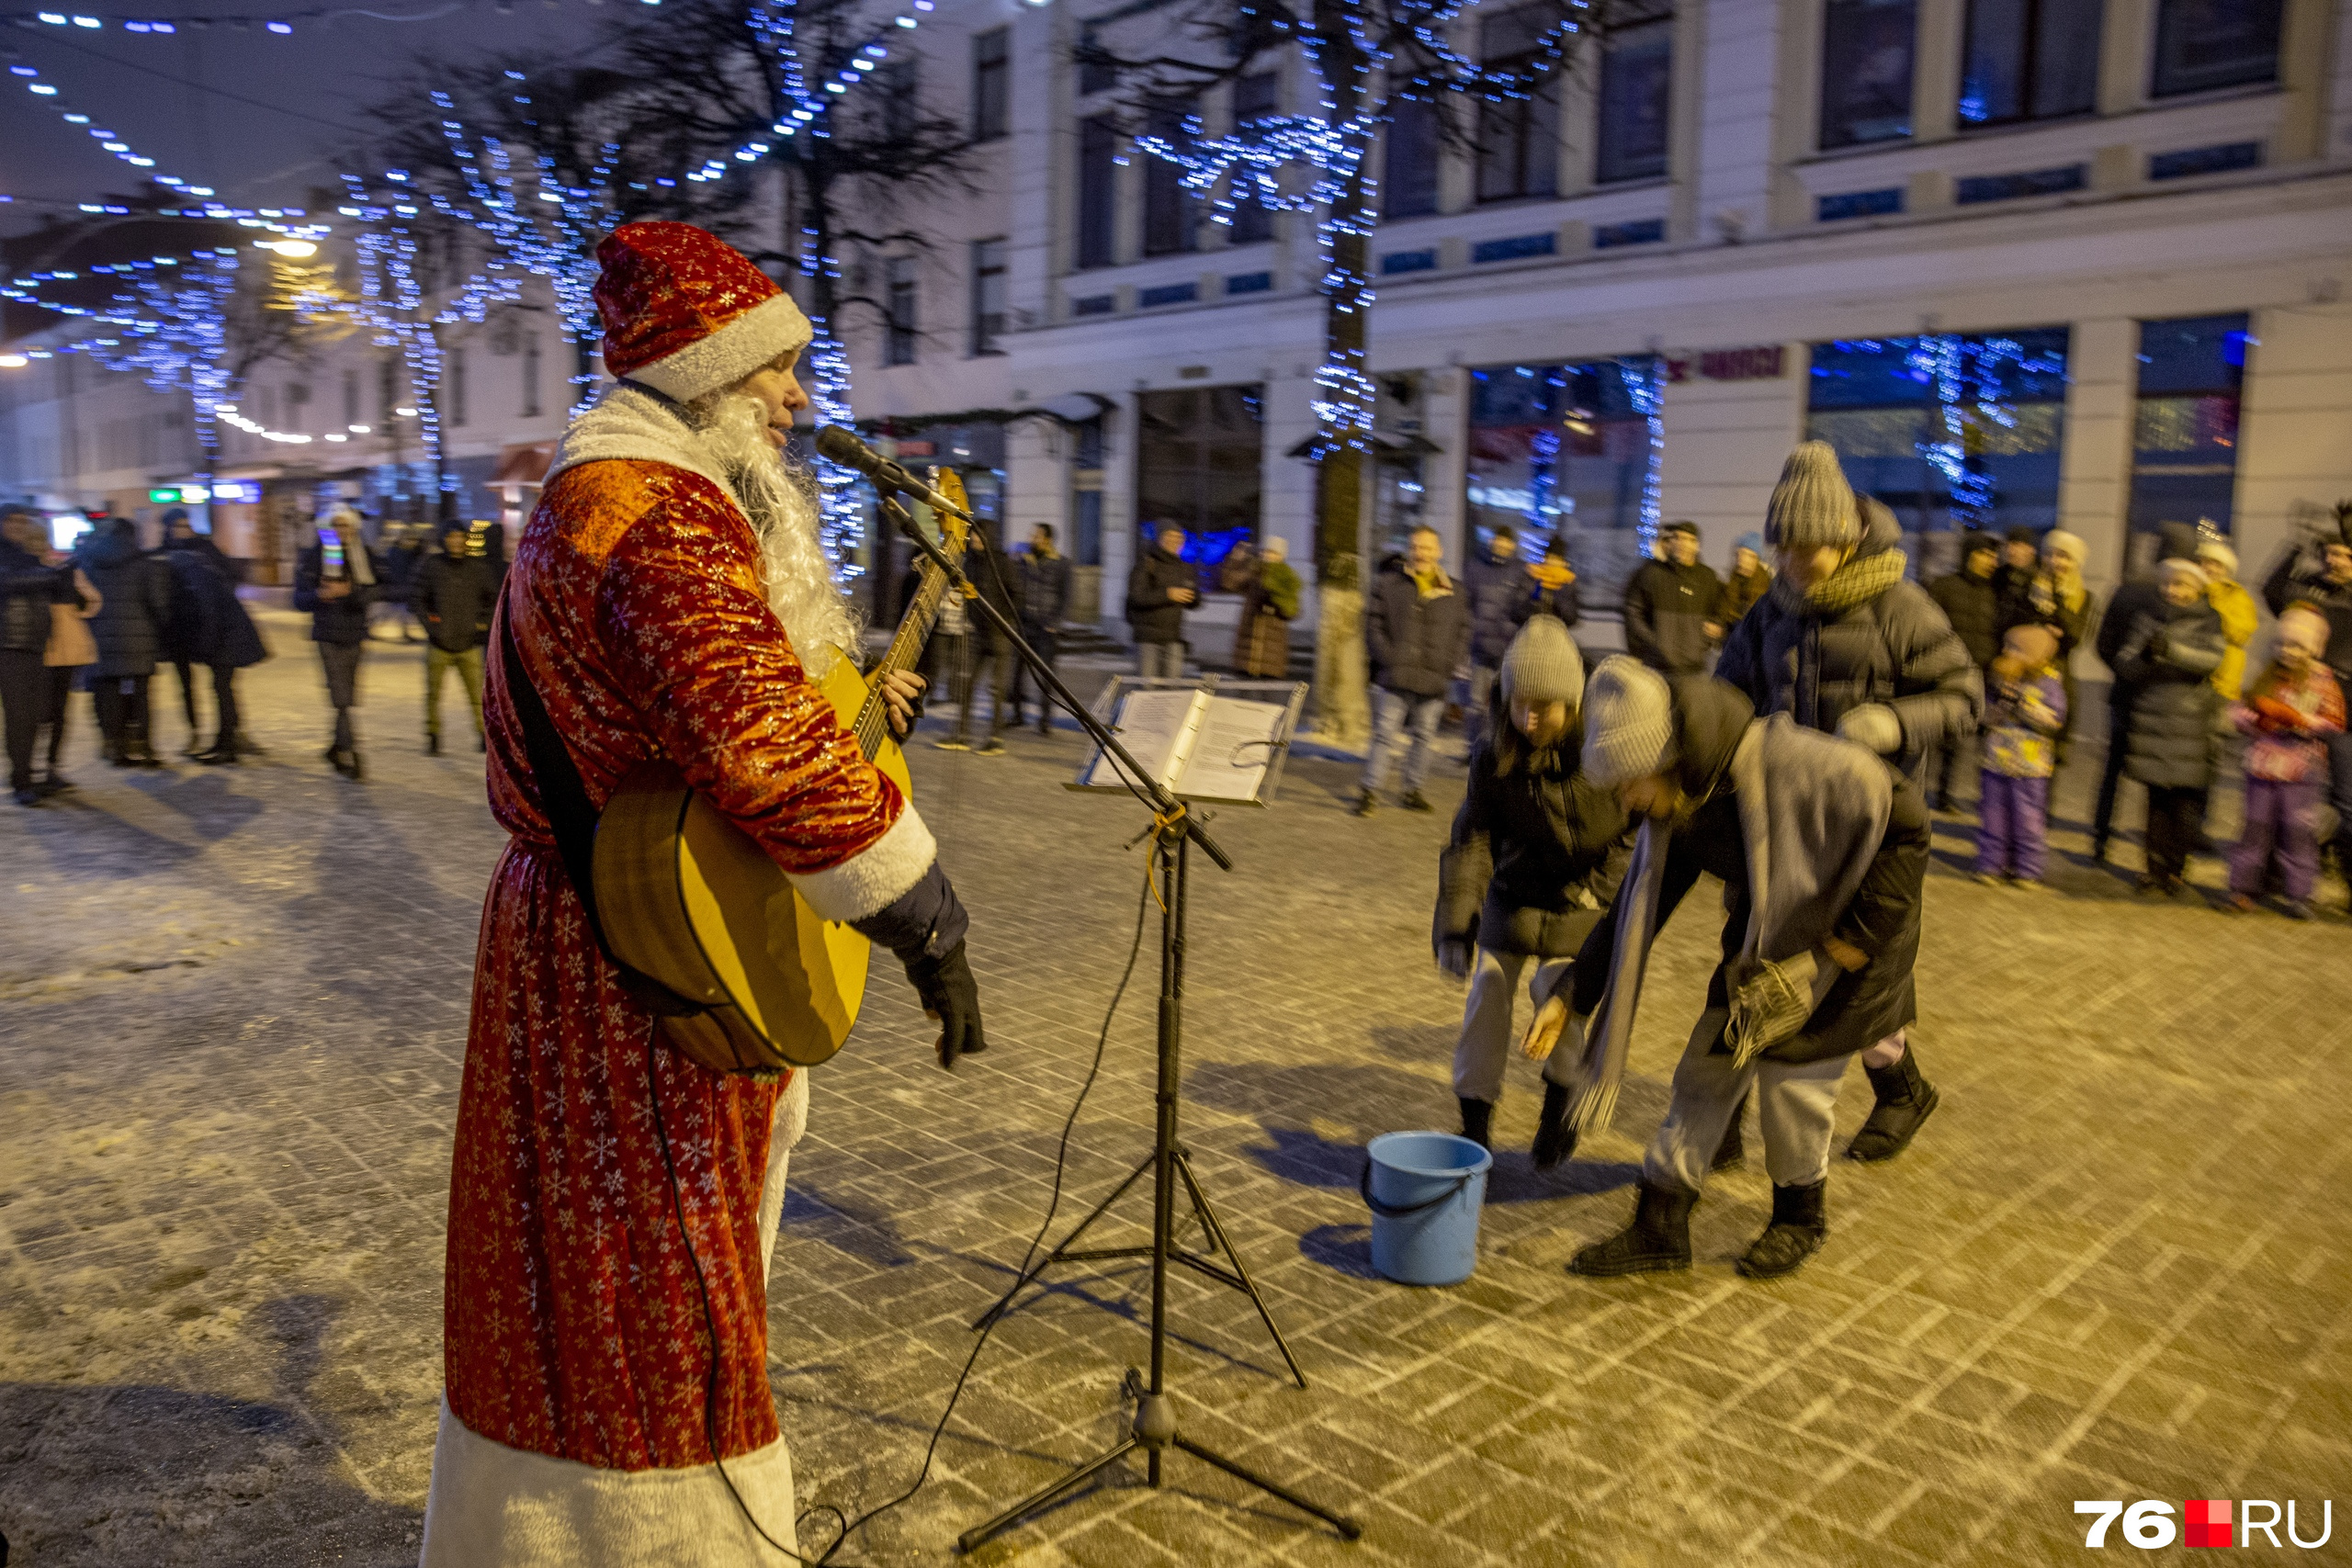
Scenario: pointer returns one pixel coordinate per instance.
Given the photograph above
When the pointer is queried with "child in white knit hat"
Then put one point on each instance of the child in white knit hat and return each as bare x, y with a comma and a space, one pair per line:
2287, 712
1536, 855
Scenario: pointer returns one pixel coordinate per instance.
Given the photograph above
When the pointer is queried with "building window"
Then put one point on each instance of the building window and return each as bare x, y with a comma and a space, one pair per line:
1866, 52
991, 83
1098, 190
901, 98
531, 376
1949, 431
1199, 460
2205, 44
1637, 98
899, 345
2185, 427
1255, 99
454, 379
2029, 60
1571, 450
1408, 183
1519, 138
1097, 72
1167, 206
988, 296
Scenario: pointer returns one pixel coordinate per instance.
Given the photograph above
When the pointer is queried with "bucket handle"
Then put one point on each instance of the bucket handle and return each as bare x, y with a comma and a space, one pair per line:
1394, 1211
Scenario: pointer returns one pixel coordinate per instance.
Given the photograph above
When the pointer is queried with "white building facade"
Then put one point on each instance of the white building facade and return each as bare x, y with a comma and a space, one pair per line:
2026, 263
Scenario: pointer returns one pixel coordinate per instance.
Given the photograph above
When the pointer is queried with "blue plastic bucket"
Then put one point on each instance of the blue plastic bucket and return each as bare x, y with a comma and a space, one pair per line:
1424, 1190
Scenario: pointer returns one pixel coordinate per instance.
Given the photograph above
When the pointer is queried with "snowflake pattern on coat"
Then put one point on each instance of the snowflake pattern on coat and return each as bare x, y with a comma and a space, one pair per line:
571, 1324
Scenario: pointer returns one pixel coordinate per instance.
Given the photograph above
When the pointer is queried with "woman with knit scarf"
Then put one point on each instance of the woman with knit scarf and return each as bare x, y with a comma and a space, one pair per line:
1843, 644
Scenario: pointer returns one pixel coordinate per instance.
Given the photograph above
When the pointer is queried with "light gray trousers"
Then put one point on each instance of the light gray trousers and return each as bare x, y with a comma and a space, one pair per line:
1796, 1107
1486, 1036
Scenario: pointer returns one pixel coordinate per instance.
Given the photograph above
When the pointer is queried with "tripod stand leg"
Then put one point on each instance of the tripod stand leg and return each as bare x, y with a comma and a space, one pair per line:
1215, 1227
1037, 1500
1005, 1301
1349, 1530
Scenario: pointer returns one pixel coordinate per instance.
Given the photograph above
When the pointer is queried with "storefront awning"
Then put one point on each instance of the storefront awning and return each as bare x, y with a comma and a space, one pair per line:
1386, 448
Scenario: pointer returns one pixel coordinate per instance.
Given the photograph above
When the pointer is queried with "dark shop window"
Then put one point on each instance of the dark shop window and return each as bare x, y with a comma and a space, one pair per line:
991, 83
1866, 58
2205, 44
1636, 99
2029, 60
1168, 207
1098, 190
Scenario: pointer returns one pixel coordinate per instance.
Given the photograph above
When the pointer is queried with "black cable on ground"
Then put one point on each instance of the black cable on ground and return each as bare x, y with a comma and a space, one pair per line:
710, 1320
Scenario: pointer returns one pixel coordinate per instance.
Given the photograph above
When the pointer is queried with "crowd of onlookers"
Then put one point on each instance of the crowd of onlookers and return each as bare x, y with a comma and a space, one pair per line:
2199, 690
107, 615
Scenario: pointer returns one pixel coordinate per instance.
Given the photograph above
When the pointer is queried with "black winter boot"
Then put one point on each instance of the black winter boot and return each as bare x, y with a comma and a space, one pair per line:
1800, 1224
1905, 1100
1657, 1242
1554, 1139
1479, 1121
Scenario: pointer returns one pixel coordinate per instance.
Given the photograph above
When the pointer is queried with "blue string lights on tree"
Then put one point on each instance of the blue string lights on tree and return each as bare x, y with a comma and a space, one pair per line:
1370, 57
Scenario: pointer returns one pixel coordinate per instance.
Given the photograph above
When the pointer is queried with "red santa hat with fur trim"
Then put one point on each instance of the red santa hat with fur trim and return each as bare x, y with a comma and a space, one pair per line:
687, 314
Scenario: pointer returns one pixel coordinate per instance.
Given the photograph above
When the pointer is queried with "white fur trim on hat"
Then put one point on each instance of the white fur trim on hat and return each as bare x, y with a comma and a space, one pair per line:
2215, 550
872, 879
2058, 542
727, 355
2176, 567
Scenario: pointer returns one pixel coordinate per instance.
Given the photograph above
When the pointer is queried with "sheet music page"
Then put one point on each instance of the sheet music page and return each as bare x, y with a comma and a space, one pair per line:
1153, 725
1235, 747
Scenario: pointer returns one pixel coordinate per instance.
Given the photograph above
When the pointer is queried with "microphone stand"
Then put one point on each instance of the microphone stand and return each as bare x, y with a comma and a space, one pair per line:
1173, 830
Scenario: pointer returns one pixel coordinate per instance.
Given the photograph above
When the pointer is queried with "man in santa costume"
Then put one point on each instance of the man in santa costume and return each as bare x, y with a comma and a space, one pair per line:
670, 599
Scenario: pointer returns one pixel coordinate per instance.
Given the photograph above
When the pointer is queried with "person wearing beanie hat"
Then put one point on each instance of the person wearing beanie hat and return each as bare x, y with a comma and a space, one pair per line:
2289, 715
2054, 595
1843, 643
2025, 711
1748, 580
668, 601
2241, 618
1973, 605
1674, 606
2167, 660
2133, 602
1820, 934
1504, 590
2317, 572
1535, 854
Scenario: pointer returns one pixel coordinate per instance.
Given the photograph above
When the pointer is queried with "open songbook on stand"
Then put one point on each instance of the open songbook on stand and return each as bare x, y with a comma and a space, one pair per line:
1199, 744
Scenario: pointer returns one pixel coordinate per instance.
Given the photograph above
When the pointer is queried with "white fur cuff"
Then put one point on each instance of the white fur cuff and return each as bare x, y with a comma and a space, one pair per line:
727, 355
876, 877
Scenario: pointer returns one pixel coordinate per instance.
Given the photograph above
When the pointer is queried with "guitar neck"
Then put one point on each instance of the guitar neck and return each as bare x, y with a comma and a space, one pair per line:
872, 725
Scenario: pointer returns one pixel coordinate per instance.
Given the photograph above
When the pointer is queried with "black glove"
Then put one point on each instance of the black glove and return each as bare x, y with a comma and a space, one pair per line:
950, 995
925, 927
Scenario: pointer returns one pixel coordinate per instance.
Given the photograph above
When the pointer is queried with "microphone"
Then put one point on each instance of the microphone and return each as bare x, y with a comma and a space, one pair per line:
843, 447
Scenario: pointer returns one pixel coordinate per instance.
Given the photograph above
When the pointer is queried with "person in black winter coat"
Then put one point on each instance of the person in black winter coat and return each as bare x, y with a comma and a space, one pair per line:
337, 579
2168, 657
1417, 629
27, 588
2320, 575
1536, 855
1501, 598
137, 593
1163, 586
1973, 604
1843, 644
2133, 602
1674, 607
453, 593
183, 629
219, 633
986, 647
1045, 601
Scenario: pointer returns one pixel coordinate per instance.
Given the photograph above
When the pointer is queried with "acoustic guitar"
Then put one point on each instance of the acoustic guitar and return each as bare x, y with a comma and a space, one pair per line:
690, 899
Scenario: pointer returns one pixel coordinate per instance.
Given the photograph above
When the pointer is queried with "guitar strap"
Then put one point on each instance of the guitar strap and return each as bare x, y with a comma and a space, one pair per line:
564, 798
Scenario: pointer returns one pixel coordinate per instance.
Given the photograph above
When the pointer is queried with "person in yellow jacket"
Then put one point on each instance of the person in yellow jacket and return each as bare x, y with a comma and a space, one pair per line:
2240, 618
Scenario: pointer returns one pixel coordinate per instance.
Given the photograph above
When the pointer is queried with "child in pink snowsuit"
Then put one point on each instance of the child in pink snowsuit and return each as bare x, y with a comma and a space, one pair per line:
2025, 712
2287, 711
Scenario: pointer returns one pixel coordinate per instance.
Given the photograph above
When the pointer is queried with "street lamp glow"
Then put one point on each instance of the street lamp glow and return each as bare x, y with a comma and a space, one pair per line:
404, 413
292, 250
13, 362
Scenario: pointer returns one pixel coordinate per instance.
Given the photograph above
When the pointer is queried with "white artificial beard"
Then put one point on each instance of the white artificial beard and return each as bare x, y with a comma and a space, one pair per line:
780, 501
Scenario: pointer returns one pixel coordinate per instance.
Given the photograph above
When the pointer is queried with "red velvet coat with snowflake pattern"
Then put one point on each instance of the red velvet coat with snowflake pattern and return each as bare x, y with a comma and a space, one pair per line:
571, 1323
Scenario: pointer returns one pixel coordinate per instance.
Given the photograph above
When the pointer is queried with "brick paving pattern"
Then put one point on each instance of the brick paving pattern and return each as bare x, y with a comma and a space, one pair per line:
2114, 1266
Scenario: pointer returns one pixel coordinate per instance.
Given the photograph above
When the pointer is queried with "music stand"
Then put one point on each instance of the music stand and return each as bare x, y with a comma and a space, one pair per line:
1173, 829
